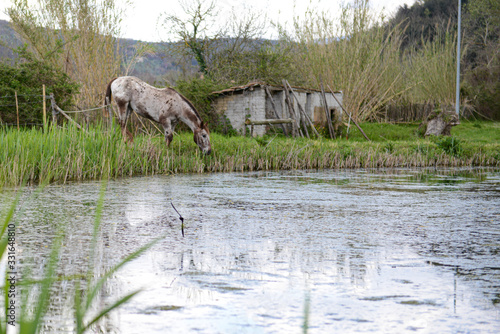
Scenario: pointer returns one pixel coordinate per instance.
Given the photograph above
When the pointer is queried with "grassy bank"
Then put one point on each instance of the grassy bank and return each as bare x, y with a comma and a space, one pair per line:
66, 154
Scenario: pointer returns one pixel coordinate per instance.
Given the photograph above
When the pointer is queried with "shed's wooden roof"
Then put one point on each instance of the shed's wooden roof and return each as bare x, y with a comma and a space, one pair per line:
252, 85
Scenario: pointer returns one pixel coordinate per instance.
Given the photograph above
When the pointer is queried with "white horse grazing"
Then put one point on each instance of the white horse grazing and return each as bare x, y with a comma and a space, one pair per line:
165, 106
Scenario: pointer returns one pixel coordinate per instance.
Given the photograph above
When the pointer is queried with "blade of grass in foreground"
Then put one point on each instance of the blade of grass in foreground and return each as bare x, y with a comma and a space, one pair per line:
31, 323
84, 306
32, 326
4, 240
26, 324
307, 306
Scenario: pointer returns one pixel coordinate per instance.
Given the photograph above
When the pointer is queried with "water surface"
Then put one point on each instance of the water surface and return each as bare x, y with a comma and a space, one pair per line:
388, 251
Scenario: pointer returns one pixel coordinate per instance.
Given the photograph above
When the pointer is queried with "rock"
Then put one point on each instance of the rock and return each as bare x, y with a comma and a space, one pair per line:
439, 123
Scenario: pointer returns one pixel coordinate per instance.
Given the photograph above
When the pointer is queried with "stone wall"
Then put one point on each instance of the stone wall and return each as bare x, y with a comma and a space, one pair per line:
253, 103
241, 105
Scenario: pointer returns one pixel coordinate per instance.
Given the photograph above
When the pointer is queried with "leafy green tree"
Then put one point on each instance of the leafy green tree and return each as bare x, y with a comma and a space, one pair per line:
25, 78
425, 20
230, 52
482, 70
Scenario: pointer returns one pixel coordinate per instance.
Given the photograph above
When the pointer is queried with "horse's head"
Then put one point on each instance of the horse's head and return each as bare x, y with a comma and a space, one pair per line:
202, 138
169, 136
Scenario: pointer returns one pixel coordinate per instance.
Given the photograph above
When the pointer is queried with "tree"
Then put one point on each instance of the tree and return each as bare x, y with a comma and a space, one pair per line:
78, 37
193, 32
425, 20
482, 33
231, 51
25, 79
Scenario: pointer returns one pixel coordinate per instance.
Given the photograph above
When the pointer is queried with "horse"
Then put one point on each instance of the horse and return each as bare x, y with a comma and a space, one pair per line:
164, 106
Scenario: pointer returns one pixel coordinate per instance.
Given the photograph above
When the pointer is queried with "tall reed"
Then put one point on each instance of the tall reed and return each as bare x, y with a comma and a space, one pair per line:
354, 53
431, 72
358, 53
64, 154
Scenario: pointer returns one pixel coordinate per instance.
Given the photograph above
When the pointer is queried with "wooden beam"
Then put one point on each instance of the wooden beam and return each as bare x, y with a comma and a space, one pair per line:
355, 123
331, 130
17, 110
56, 107
269, 121
300, 123
306, 116
274, 109
296, 125
44, 109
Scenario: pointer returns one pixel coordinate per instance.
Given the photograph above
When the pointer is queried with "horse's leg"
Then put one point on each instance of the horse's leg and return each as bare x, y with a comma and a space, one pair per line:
169, 131
130, 136
124, 113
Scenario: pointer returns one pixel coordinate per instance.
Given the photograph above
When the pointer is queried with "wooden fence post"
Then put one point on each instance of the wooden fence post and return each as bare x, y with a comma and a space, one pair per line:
331, 130
307, 119
298, 115
52, 104
44, 110
348, 114
296, 130
17, 111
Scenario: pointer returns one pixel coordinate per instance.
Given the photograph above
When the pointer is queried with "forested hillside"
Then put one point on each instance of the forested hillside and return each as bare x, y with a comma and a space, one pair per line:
433, 20
425, 19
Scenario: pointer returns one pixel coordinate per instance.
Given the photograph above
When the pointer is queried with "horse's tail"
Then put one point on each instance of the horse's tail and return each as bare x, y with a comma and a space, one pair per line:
107, 99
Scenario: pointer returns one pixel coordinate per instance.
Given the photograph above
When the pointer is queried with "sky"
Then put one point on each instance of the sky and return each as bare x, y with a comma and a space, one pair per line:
141, 21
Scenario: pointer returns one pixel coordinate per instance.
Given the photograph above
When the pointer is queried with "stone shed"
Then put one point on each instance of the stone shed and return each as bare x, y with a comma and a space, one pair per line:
260, 102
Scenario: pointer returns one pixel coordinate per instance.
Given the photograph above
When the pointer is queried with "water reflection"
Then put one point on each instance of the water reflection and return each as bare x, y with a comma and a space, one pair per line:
383, 251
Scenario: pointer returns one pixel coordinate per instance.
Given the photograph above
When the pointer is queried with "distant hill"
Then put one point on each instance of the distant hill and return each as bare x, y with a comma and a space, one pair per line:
425, 18
9, 38
151, 68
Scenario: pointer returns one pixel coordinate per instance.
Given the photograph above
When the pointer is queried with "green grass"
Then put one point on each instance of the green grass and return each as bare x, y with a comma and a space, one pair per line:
67, 154
478, 132
382, 132
467, 131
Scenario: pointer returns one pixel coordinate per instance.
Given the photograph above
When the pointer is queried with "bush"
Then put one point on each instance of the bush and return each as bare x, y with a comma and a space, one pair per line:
198, 90
26, 79
482, 87
450, 145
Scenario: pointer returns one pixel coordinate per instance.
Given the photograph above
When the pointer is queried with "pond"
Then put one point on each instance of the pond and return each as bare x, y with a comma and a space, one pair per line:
388, 251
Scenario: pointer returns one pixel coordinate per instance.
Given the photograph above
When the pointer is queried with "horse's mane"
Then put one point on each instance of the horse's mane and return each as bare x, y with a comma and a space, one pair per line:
189, 103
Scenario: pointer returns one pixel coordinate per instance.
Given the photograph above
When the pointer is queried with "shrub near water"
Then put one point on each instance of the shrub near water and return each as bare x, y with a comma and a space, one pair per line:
64, 154
450, 145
